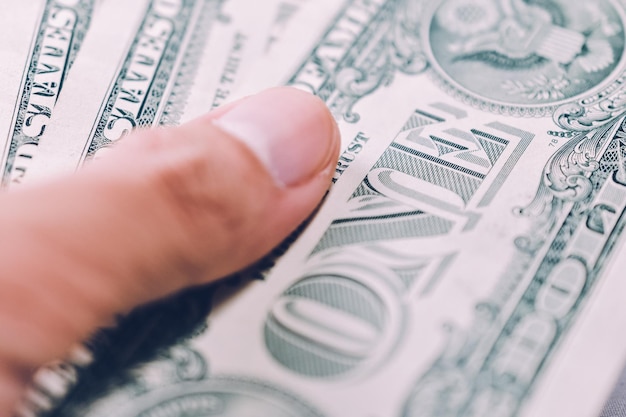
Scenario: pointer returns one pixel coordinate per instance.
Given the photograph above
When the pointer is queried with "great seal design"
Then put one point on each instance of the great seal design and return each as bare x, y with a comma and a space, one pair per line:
524, 57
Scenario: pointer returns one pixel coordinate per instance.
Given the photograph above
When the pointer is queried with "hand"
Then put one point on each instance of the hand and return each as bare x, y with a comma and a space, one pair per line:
167, 209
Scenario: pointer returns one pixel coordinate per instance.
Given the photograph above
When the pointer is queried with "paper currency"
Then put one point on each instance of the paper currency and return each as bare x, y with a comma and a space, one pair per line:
57, 38
239, 37
16, 48
136, 76
466, 261
286, 12
400, 233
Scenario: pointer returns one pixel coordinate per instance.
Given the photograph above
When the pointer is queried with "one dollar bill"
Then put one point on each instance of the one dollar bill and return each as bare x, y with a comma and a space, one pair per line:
467, 260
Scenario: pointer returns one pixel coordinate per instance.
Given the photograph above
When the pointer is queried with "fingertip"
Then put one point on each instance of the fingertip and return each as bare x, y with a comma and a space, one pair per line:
290, 131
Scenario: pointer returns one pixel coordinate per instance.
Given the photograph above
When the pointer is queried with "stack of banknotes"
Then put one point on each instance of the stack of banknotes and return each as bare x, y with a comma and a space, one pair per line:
468, 260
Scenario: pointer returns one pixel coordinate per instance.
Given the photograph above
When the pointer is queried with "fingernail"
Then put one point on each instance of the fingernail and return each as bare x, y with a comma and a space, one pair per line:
291, 132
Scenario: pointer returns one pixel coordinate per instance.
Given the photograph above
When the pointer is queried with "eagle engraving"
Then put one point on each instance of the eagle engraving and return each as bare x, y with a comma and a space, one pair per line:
519, 34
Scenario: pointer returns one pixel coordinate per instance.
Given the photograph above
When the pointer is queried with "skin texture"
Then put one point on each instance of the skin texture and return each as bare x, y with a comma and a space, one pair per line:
197, 205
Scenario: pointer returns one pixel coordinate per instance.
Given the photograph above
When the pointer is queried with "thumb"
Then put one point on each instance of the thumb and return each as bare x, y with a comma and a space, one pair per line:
166, 209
